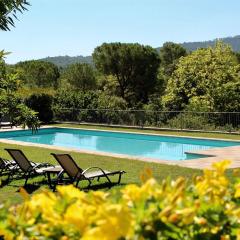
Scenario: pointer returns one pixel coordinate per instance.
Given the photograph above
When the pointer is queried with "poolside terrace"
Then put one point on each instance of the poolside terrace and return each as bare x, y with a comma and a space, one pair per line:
210, 156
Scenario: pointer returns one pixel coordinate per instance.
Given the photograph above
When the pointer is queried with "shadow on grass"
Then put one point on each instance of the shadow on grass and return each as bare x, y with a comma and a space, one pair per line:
19, 183
101, 186
30, 188
4, 182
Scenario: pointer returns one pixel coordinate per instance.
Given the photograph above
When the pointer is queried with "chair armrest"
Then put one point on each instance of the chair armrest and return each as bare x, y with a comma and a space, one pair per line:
40, 165
83, 172
60, 174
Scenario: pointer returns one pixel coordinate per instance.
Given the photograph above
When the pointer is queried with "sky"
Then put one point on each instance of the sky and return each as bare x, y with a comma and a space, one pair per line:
76, 27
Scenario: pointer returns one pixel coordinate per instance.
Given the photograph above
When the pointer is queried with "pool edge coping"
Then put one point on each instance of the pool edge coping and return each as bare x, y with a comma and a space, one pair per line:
210, 158
153, 134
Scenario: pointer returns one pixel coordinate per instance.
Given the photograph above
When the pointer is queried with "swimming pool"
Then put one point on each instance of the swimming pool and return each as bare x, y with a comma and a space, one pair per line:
137, 145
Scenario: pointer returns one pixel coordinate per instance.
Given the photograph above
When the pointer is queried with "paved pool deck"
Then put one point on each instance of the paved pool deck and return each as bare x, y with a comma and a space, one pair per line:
212, 155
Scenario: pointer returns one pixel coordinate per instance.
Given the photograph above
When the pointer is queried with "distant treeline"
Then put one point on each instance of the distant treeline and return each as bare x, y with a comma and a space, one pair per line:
64, 61
134, 76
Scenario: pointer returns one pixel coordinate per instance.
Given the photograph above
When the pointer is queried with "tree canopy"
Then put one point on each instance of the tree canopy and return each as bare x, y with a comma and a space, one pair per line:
170, 53
79, 76
133, 66
38, 73
8, 11
10, 104
204, 73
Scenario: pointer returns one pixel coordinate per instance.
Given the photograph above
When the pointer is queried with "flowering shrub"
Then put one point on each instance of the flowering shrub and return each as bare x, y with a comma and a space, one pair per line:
209, 208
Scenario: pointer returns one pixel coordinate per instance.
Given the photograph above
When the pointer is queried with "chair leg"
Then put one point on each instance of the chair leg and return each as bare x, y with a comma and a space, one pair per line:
108, 179
120, 177
77, 182
54, 187
89, 183
9, 176
26, 179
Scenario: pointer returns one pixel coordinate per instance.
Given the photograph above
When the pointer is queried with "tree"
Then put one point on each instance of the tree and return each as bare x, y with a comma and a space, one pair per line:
8, 11
205, 72
227, 98
79, 76
11, 105
238, 56
41, 103
170, 53
37, 73
133, 66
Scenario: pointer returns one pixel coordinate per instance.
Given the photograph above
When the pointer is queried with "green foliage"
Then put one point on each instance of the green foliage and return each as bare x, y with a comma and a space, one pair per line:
200, 104
227, 97
133, 66
64, 61
9, 80
25, 92
113, 105
8, 11
67, 104
234, 42
170, 53
88, 106
79, 76
111, 102
41, 103
38, 73
237, 54
191, 120
25, 117
203, 73
78, 100
208, 208
10, 104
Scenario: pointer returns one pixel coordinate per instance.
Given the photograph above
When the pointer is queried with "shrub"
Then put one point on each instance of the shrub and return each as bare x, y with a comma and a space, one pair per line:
67, 105
88, 107
41, 103
25, 117
207, 209
190, 120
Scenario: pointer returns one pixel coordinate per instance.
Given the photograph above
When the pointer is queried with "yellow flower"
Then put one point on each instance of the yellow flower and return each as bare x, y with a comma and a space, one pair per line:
132, 193
81, 216
44, 203
70, 191
221, 167
225, 237
200, 220
237, 192
114, 221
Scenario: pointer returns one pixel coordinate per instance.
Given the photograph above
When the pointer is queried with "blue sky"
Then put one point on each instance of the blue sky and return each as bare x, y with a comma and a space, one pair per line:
76, 27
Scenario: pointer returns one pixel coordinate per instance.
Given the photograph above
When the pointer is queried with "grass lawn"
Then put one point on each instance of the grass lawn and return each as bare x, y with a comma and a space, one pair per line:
9, 191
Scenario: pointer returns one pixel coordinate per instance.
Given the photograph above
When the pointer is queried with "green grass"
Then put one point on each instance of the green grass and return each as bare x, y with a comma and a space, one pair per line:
9, 191
132, 167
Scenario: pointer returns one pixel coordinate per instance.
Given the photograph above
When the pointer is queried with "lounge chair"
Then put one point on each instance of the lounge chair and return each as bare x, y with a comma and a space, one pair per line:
26, 167
7, 167
76, 174
5, 121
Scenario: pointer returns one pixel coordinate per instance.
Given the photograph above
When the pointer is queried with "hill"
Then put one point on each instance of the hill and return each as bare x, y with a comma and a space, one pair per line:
234, 42
63, 61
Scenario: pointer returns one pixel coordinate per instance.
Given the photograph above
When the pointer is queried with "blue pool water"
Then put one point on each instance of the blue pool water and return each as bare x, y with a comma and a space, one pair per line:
140, 145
